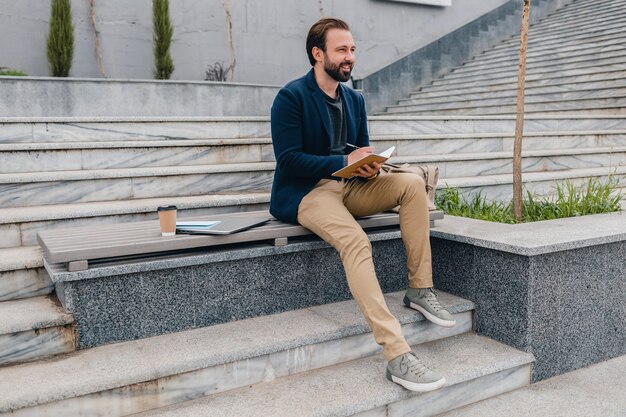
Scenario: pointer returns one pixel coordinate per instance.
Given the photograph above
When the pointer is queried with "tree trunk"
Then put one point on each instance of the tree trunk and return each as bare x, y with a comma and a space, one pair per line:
519, 121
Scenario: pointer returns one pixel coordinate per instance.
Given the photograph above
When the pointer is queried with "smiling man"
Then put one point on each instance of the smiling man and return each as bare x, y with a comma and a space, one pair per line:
319, 126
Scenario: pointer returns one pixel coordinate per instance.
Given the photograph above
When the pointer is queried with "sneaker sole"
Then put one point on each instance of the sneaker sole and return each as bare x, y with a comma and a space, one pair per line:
415, 386
431, 317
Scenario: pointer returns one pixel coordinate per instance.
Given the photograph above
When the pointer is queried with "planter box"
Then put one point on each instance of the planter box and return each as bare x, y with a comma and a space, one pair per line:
556, 289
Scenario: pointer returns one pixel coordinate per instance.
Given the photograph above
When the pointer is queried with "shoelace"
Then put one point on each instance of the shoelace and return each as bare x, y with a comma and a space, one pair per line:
411, 363
430, 296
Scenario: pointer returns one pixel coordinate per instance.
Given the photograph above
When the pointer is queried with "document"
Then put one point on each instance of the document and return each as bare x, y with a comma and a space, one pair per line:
368, 160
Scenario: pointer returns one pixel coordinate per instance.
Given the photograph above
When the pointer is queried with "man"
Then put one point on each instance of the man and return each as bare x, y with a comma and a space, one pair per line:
318, 127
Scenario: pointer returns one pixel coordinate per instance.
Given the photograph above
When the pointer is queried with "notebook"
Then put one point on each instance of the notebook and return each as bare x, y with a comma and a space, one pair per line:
217, 226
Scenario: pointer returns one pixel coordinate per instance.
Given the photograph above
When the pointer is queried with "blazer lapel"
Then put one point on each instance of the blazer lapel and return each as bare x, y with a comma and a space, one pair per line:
318, 99
348, 108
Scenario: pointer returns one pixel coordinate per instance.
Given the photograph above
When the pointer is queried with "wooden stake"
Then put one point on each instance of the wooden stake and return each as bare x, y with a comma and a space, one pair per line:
519, 121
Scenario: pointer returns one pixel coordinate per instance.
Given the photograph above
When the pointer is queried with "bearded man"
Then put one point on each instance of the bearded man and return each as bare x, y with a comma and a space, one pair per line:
319, 126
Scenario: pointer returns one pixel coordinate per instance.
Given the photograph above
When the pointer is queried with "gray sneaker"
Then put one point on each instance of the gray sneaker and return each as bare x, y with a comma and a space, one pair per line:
408, 371
425, 301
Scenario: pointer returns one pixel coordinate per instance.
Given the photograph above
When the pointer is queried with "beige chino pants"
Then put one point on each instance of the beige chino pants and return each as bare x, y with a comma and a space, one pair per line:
329, 211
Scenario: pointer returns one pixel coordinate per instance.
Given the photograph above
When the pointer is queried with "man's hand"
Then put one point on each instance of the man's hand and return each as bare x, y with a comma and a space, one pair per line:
365, 171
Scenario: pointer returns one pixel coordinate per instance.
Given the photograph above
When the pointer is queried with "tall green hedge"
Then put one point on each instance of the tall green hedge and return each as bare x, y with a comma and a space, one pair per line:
163, 64
60, 39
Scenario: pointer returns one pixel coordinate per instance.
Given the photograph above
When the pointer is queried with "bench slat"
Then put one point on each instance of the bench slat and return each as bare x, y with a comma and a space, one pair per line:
123, 239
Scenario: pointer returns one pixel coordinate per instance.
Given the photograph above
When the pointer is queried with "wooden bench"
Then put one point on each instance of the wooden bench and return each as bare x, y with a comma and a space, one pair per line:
77, 247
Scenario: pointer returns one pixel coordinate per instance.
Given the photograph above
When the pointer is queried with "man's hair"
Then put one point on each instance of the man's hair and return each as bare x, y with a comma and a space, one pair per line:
317, 34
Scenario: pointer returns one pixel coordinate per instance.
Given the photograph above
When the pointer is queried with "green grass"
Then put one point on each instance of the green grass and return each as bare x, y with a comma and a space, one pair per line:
593, 197
4, 71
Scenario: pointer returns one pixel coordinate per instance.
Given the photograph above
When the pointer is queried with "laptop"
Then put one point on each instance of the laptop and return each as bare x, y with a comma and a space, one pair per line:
217, 226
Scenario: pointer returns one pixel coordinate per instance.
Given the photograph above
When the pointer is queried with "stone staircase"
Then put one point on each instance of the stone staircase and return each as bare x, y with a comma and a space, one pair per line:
576, 64
281, 364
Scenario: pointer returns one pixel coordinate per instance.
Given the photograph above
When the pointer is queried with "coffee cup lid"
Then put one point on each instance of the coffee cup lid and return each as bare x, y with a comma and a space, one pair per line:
166, 208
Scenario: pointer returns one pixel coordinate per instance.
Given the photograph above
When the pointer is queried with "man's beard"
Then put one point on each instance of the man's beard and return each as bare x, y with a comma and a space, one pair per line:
335, 71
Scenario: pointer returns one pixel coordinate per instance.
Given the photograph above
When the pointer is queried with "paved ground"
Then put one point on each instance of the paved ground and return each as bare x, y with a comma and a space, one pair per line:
596, 391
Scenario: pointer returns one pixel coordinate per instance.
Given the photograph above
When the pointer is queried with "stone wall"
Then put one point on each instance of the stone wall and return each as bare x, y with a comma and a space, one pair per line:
268, 37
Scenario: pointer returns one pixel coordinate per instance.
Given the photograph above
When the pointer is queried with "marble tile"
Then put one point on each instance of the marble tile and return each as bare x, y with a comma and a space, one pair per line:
24, 283
16, 133
36, 161
63, 192
169, 156
32, 344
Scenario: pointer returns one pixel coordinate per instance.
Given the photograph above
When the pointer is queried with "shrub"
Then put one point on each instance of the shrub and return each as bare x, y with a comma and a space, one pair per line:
60, 39
164, 66
217, 72
593, 197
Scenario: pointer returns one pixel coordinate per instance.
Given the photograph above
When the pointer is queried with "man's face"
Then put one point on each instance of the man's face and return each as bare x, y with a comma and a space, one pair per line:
339, 55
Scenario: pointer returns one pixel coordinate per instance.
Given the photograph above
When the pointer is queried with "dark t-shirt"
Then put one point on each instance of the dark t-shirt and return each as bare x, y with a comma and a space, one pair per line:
339, 125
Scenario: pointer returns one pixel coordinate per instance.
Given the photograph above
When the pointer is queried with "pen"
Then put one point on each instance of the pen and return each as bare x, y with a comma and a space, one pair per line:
352, 146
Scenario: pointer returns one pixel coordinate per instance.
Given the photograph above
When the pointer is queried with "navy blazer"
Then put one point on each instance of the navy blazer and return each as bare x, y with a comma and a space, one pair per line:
301, 133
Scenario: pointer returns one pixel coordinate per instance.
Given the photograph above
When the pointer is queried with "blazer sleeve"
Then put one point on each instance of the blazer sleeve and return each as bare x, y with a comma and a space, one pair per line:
288, 138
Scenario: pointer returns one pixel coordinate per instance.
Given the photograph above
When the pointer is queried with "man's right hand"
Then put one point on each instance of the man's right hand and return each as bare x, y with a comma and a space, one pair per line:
366, 170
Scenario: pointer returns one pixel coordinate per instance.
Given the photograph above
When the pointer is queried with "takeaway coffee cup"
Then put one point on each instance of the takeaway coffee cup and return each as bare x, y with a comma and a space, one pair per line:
167, 220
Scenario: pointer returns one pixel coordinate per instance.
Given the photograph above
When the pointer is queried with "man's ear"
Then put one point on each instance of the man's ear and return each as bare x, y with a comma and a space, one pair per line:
317, 53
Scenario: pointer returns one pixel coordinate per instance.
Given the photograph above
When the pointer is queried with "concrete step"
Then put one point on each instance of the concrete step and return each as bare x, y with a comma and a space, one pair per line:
609, 106
552, 55
511, 98
573, 77
594, 391
140, 375
69, 156
19, 225
500, 187
584, 7
22, 274
485, 93
107, 129
494, 163
68, 187
33, 328
566, 64
475, 367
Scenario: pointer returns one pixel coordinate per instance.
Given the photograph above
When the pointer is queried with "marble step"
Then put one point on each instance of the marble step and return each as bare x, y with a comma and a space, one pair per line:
107, 129
144, 374
418, 145
33, 328
579, 74
511, 97
550, 55
577, 13
512, 53
551, 26
500, 187
19, 225
70, 156
597, 390
596, 34
22, 274
26, 130
578, 63
510, 91
573, 77
475, 367
397, 124
609, 106
65, 187
494, 163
